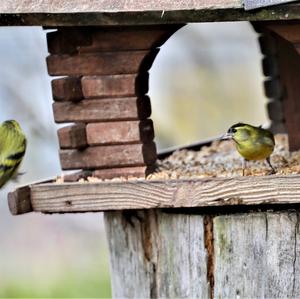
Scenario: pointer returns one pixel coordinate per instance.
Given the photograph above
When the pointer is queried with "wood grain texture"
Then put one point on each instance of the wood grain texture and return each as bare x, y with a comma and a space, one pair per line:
67, 89
165, 194
159, 13
129, 233
106, 63
102, 110
120, 132
181, 269
57, 6
149, 246
257, 255
19, 201
73, 136
115, 85
108, 156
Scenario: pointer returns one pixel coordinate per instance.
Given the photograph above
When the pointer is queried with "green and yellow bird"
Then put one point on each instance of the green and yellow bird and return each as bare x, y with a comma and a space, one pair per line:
12, 150
253, 143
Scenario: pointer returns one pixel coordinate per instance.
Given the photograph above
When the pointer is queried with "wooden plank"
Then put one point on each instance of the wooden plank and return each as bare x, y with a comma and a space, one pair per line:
120, 132
202, 12
257, 255
19, 201
58, 6
102, 110
67, 89
145, 244
182, 269
106, 63
73, 136
108, 156
166, 194
115, 85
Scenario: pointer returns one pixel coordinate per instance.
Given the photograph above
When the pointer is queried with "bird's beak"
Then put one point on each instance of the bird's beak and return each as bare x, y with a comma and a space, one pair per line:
227, 136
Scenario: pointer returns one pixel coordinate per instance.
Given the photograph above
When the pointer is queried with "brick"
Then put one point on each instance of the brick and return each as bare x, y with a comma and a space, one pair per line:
270, 66
120, 132
267, 45
67, 40
73, 136
115, 85
106, 63
273, 89
76, 176
128, 38
102, 110
125, 172
275, 110
67, 89
108, 156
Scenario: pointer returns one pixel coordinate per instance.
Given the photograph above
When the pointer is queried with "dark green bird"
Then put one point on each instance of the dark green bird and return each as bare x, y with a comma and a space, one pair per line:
12, 150
253, 143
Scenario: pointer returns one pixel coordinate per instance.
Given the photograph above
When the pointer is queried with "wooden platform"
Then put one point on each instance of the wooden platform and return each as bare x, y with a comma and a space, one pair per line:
91, 13
147, 194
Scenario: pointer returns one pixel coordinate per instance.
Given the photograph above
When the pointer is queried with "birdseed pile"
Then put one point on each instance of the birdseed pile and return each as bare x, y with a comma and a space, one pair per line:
220, 159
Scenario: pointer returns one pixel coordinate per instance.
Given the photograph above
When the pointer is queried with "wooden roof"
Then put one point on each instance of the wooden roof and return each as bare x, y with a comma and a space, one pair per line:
124, 12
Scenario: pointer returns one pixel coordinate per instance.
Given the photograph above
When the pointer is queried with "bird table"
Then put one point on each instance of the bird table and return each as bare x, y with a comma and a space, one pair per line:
205, 238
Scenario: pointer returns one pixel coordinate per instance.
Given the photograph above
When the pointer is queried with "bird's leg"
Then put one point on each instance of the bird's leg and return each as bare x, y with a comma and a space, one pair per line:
244, 166
269, 162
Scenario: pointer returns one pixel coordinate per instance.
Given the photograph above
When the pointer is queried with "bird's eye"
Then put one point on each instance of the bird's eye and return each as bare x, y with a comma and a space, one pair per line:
233, 130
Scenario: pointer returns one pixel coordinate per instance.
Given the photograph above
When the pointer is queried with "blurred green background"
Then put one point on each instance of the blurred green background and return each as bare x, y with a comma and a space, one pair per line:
205, 78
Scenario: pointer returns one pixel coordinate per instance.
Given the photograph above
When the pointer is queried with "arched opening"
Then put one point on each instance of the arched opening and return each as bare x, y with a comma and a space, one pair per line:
206, 78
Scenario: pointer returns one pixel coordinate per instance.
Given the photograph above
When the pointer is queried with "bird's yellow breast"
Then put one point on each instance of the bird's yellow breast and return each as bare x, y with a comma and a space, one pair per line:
255, 150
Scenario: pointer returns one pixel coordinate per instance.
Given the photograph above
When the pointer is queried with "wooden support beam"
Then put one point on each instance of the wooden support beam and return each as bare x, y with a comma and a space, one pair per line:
108, 156
73, 136
102, 110
120, 132
246, 255
146, 245
148, 194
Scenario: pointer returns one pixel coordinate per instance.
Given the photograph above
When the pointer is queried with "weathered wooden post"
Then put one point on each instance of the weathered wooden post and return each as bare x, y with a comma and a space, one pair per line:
185, 238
